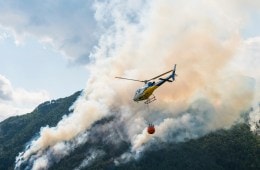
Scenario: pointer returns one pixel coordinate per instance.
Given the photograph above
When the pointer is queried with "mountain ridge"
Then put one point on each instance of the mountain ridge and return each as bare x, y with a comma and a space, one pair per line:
16, 131
234, 148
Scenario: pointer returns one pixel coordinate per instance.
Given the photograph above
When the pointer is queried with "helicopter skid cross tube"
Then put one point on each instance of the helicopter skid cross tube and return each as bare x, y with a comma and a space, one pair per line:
150, 100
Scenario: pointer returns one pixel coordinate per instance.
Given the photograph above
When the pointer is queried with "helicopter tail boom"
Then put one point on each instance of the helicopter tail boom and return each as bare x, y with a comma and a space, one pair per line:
170, 78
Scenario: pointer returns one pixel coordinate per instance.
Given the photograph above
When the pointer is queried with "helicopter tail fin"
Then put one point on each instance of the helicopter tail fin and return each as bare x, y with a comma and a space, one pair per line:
173, 73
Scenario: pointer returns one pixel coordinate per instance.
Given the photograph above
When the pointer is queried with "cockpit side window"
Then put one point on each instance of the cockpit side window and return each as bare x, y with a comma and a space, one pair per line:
140, 90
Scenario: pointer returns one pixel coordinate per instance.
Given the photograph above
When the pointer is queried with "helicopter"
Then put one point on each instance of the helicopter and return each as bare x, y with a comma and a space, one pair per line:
147, 90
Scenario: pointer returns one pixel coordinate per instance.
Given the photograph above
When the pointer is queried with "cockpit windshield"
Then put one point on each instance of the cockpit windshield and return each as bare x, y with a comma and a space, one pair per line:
139, 91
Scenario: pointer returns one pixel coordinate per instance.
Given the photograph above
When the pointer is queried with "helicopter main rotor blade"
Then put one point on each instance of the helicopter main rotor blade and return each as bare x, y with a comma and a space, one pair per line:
159, 76
129, 79
145, 81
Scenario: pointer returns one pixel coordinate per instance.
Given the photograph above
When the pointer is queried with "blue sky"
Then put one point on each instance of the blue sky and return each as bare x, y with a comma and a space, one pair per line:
44, 50
45, 47
35, 66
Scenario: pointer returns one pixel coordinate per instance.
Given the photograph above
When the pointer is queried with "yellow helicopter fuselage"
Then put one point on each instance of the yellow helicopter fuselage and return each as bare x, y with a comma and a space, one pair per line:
144, 93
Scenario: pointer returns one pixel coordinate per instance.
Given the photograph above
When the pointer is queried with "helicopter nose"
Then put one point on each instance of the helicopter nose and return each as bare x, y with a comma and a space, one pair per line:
135, 98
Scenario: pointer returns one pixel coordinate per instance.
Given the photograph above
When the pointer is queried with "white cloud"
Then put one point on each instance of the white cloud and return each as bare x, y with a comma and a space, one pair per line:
3, 35
69, 26
16, 101
5, 89
246, 62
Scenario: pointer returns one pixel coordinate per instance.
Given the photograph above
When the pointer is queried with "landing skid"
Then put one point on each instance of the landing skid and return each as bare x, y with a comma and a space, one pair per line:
150, 100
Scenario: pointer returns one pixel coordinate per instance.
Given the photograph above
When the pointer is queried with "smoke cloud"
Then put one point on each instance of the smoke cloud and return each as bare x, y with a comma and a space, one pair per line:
92, 155
143, 39
254, 120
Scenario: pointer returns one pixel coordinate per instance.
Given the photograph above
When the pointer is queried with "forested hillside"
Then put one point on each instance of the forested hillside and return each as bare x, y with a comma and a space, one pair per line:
235, 148
16, 131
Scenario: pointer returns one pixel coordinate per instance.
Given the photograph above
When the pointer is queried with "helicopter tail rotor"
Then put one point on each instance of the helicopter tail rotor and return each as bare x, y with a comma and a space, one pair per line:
173, 73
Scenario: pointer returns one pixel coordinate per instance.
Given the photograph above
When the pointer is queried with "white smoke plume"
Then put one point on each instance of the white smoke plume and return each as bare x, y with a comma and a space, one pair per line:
143, 39
254, 120
92, 155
